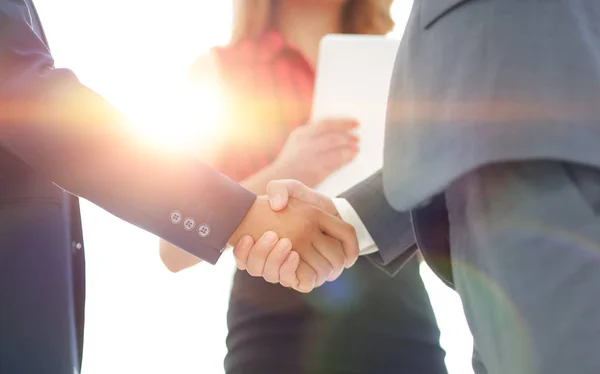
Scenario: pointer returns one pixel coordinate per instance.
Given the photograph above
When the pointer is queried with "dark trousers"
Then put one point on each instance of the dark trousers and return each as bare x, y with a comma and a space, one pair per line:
366, 322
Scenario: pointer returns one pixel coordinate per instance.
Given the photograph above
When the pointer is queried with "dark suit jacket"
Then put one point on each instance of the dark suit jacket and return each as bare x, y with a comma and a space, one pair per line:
56, 136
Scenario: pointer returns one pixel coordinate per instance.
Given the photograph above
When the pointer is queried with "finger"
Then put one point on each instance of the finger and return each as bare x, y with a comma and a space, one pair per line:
287, 272
317, 262
342, 231
242, 250
333, 251
332, 125
276, 259
281, 191
259, 253
306, 278
335, 141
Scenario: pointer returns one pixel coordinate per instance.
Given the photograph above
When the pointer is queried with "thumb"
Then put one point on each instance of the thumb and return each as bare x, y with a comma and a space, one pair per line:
279, 194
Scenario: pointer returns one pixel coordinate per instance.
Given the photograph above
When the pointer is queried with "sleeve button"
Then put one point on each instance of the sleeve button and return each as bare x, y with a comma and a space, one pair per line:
204, 230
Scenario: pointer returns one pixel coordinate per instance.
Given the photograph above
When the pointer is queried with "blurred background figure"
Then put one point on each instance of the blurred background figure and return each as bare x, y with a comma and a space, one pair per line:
366, 321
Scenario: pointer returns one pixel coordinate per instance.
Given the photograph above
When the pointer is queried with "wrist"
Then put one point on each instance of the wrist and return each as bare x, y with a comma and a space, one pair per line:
249, 224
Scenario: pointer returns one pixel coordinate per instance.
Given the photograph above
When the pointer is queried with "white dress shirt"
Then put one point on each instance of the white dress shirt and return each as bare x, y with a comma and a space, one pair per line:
366, 244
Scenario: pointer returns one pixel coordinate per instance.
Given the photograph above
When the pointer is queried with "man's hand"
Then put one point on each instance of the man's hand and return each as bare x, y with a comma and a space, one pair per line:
274, 259
281, 261
281, 191
325, 243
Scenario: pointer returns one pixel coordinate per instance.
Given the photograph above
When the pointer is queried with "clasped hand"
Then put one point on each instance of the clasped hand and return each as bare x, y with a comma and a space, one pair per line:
304, 244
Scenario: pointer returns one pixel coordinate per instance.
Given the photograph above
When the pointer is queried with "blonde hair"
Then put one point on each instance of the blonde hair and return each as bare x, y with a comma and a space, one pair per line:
251, 18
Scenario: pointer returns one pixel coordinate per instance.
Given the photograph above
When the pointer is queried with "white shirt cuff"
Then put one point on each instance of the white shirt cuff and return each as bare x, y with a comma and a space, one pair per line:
366, 244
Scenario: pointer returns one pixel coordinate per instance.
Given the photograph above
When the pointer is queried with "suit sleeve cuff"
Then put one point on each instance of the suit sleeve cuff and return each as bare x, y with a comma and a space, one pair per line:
391, 231
366, 244
219, 208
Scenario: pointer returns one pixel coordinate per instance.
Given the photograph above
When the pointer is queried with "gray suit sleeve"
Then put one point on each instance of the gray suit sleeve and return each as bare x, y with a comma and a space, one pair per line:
73, 137
391, 230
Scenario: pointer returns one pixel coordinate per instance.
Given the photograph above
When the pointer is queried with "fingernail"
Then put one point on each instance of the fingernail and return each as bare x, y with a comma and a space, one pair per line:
246, 241
269, 237
333, 276
286, 245
277, 201
295, 257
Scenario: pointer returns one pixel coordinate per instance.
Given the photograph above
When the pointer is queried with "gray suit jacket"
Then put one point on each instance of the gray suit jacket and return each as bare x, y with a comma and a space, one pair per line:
478, 82
397, 234
484, 81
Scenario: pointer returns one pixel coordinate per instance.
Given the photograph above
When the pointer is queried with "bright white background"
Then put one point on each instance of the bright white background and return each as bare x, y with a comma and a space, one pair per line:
140, 318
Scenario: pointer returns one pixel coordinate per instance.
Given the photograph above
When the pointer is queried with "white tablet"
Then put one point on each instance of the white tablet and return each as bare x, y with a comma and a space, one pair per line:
353, 79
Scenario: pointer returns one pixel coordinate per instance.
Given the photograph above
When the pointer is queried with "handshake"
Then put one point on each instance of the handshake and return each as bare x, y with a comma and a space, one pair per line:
295, 237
